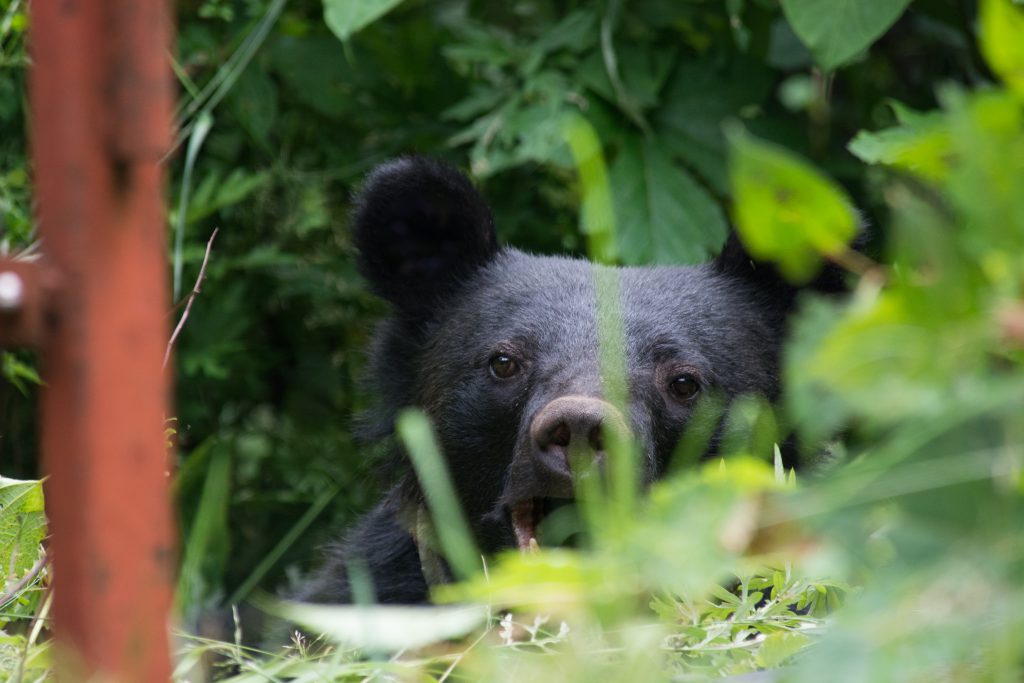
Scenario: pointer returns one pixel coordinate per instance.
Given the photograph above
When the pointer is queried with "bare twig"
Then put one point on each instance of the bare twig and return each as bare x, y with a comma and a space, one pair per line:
191, 298
24, 581
859, 264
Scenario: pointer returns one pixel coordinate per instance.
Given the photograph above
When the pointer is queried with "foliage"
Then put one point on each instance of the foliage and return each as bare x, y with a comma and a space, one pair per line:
24, 655
837, 31
22, 524
598, 127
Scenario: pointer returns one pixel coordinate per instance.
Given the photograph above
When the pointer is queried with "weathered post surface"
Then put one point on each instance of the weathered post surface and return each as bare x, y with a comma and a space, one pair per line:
101, 95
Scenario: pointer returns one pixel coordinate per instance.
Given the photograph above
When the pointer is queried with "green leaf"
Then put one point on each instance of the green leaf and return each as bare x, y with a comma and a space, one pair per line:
328, 88
255, 104
575, 32
836, 30
785, 210
347, 17
779, 647
920, 145
217, 192
1002, 41
543, 580
701, 95
22, 525
663, 215
17, 372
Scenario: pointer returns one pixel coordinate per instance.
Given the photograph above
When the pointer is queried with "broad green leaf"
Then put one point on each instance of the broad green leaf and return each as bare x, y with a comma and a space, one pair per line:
22, 525
663, 215
255, 103
836, 30
785, 210
701, 95
575, 32
554, 578
1002, 41
387, 628
328, 88
643, 71
921, 144
347, 17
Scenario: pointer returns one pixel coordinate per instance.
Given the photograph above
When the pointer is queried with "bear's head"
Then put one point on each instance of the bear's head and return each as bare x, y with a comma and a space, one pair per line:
500, 348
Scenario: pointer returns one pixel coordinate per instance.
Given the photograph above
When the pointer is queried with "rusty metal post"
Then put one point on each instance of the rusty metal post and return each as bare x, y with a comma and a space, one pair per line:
101, 94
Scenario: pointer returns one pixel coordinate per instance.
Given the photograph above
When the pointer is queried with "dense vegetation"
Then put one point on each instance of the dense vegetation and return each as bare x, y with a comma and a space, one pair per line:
630, 131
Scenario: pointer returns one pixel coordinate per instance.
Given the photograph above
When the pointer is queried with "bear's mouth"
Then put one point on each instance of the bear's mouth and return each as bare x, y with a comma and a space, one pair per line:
527, 515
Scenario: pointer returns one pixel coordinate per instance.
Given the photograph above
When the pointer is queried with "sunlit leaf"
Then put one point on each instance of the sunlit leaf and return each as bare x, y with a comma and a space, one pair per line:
920, 144
553, 579
22, 525
1002, 41
387, 628
785, 210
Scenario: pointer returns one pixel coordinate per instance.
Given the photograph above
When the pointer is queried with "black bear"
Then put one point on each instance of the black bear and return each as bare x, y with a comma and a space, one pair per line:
500, 349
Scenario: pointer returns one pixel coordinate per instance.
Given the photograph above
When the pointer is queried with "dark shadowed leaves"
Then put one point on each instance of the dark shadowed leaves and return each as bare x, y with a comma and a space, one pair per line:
700, 95
663, 214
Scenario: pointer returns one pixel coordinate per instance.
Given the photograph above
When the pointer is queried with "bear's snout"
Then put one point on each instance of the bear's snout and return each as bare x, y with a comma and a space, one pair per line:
573, 425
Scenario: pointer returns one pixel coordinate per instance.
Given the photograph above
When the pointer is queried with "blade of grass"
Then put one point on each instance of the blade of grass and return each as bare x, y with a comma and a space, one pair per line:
195, 143
222, 82
282, 546
208, 527
597, 219
450, 525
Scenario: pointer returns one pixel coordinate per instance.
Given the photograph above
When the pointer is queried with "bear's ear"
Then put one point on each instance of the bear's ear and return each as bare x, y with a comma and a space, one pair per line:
735, 261
420, 228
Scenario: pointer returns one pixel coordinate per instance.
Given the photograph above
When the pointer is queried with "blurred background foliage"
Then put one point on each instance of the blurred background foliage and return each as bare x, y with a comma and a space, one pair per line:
913, 109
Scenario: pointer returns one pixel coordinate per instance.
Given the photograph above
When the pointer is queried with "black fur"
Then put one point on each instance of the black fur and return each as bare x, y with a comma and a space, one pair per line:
420, 228
427, 245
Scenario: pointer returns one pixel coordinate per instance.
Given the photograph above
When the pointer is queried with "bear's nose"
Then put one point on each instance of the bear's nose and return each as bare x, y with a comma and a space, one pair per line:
571, 424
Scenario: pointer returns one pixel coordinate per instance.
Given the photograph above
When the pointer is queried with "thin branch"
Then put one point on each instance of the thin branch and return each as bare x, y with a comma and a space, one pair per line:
25, 580
191, 298
859, 264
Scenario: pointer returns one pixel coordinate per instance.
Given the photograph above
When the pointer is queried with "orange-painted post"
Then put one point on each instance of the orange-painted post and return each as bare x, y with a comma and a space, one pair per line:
101, 94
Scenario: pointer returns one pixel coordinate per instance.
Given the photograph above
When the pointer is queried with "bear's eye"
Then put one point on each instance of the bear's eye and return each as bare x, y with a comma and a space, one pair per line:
504, 366
684, 386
